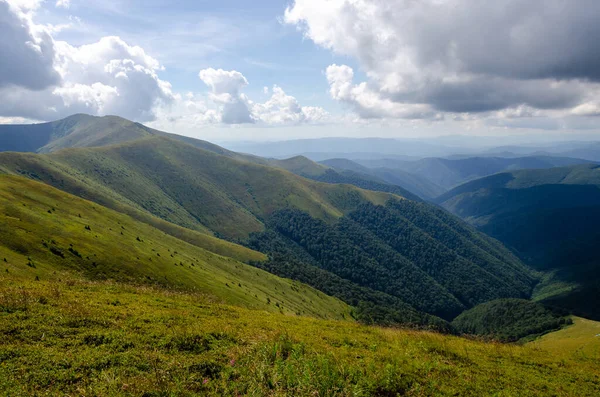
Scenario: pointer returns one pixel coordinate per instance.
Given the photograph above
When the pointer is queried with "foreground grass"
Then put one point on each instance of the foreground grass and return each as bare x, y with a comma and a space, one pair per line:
77, 337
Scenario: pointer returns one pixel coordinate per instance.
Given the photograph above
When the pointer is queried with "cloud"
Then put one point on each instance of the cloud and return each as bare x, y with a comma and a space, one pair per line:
105, 77
226, 87
63, 4
366, 102
285, 109
423, 58
236, 108
27, 50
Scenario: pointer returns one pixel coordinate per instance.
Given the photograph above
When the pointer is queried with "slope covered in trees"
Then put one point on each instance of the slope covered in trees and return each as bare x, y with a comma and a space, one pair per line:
509, 320
549, 218
404, 251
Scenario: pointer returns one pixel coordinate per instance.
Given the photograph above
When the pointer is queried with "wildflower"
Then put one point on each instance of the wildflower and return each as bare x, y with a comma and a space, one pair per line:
232, 362
205, 381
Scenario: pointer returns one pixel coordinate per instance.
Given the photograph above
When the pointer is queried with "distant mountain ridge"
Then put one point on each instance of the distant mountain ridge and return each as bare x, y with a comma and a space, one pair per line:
449, 173
550, 218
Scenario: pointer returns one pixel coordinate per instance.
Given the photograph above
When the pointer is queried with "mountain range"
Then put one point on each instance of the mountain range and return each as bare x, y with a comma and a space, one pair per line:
369, 243
138, 246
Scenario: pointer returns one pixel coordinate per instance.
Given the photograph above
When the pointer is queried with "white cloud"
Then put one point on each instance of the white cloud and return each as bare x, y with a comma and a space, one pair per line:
236, 108
226, 87
63, 3
45, 79
431, 57
106, 77
368, 103
285, 109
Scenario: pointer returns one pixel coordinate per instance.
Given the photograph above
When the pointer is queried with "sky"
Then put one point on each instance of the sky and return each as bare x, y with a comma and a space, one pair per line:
273, 70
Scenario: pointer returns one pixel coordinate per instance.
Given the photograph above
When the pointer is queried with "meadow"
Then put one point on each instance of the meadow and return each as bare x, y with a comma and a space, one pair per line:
92, 338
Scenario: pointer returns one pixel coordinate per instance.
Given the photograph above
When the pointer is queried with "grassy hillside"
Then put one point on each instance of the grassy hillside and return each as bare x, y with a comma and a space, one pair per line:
549, 218
79, 130
44, 231
144, 341
580, 340
190, 187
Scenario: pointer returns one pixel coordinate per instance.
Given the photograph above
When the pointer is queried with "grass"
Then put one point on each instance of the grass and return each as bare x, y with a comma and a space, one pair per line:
44, 231
580, 341
76, 337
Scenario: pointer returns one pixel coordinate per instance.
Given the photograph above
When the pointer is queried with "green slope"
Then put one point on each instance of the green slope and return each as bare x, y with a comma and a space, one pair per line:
106, 339
79, 130
550, 219
191, 187
402, 263
82, 130
45, 232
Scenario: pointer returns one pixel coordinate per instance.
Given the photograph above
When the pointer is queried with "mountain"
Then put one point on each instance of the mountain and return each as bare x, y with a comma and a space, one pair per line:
587, 150
418, 185
449, 173
307, 168
374, 235
75, 131
50, 234
82, 130
182, 184
371, 244
364, 146
549, 218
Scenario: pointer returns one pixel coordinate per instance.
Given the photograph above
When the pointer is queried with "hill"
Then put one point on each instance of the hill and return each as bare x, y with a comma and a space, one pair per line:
79, 130
437, 270
47, 234
147, 341
307, 168
509, 320
549, 218
418, 185
191, 187
579, 339
449, 173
